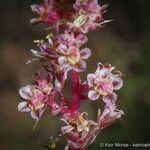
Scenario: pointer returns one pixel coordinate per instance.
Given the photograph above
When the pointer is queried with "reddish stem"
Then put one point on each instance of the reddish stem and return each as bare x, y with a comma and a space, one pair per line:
75, 103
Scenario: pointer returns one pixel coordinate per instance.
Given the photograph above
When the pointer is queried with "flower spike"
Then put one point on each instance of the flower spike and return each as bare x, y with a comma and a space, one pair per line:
64, 51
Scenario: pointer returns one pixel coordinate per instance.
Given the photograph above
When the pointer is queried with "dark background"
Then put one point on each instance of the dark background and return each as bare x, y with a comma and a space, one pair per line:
125, 43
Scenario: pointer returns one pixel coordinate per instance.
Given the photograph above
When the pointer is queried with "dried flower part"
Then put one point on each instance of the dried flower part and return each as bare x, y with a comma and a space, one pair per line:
109, 116
103, 83
78, 130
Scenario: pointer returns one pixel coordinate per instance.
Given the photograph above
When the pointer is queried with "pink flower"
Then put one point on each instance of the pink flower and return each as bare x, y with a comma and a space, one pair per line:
73, 57
47, 13
87, 17
103, 82
63, 44
44, 81
34, 101
71, 39
78, 132
70, 54
36, 95
109, 116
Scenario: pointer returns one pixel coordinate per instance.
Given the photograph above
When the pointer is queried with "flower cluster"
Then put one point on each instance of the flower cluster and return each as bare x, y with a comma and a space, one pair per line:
88, 15
49, 12
63, 51
78, 131
103, 83
36, 95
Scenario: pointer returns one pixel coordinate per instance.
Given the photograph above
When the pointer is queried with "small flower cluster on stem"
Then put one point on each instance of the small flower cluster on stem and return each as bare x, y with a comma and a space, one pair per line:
64, 51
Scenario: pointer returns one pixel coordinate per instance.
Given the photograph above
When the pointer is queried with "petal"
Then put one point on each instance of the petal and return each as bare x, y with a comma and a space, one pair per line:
58, 85
110, 99
85, 53
81, 67
63, 61
82, 64
62, 48
117, 82
90, 78
65, 73
41, 111
35, 8
35, 20
37, 114
98, 69
34, 115
24, 92
23, 107
39, 9
93, 95
82, 39
38, 53
104, 72
84, 29
66, 129
55, 111
50, 41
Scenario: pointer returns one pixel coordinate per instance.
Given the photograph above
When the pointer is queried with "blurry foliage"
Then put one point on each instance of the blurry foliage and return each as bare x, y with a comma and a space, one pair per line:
123, 43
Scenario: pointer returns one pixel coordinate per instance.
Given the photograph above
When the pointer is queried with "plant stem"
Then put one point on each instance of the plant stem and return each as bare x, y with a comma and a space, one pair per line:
75, 103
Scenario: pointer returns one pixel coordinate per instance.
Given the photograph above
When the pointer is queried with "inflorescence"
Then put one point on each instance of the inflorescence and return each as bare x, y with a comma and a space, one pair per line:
63, 50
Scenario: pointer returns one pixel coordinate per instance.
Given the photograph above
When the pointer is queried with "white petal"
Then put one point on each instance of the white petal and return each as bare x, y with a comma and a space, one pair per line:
81, 67
85, 53
34, 8
35, 20
104, 72
63, 61
117, 82
64, 77
62, 48
110, 99
24, 92
66, 129
82, 64
93, 95
41, 112
98, 113
58, 85
50, 41
98, 69
67, 147
23, 107
34, 115
90, 77
82, 39
37, 114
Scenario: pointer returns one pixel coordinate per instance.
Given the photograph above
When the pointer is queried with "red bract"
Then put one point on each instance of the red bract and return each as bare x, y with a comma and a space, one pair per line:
64, 53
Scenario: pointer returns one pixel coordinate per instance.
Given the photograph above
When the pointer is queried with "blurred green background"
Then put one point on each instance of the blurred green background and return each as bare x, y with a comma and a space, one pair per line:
124, 43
